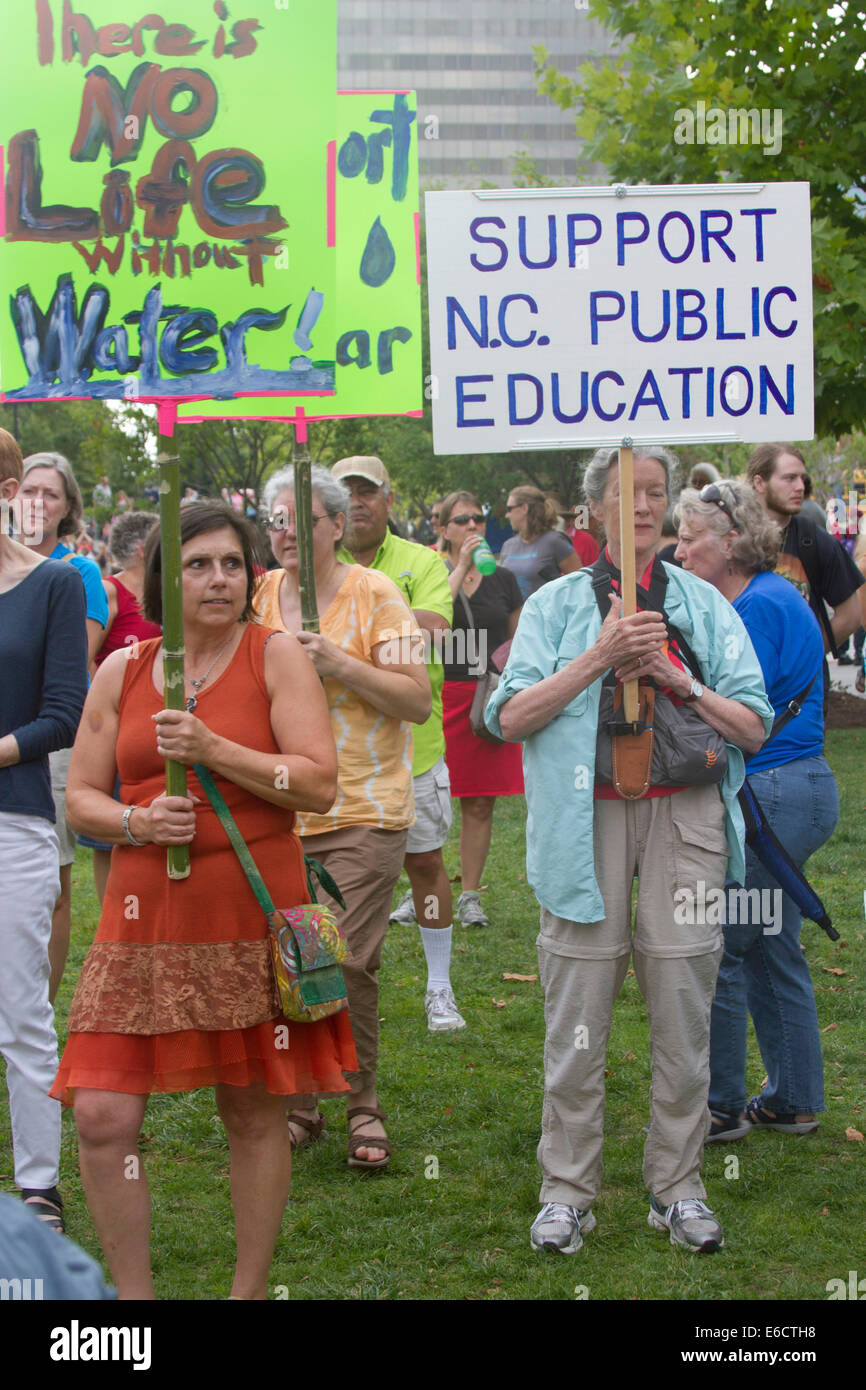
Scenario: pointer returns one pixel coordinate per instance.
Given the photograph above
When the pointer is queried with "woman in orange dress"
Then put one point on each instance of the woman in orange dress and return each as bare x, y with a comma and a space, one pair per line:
177, 992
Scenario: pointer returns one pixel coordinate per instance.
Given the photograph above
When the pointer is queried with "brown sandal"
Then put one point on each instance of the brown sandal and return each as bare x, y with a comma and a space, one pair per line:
315, 1129
860, 681
368, 1141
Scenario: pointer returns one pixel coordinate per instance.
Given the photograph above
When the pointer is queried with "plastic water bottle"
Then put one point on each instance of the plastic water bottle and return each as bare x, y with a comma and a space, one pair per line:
483, 558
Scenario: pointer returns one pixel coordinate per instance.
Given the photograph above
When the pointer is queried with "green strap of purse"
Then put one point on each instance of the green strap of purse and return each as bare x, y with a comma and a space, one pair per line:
248, 864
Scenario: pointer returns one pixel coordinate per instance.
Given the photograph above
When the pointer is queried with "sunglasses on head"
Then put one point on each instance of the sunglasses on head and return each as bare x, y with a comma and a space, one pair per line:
465, 518
713, 493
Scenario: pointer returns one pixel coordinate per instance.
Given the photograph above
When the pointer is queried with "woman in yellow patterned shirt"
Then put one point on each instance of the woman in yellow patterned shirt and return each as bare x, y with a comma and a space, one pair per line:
370, 656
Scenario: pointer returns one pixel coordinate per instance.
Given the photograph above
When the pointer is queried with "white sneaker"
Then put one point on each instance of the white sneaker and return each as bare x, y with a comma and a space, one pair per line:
442, 1015
558, 1227
404, 912
691, 1224
469, 911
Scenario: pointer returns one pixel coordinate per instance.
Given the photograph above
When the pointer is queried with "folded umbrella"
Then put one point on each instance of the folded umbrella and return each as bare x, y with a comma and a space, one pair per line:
776, 859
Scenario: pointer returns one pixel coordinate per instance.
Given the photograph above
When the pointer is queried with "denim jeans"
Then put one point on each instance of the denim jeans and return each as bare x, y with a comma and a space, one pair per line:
764, 971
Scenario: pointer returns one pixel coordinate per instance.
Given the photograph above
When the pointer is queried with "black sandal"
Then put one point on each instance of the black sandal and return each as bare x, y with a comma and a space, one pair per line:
46, 1203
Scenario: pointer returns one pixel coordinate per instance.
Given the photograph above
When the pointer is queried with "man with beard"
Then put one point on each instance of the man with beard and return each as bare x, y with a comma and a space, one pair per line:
817, 564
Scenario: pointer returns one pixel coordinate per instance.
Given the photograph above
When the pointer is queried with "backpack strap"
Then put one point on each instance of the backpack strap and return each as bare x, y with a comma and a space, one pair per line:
653, 598
805, 536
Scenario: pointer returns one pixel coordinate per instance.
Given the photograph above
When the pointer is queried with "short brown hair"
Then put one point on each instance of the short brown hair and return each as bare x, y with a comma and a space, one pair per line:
763, 462
199, 519
11, 462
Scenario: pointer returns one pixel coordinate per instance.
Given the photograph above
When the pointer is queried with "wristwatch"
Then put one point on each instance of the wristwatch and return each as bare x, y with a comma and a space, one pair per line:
696, 690
126, 830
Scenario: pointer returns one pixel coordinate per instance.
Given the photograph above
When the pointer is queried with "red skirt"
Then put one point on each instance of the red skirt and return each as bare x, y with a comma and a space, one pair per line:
299, 1059
476, 766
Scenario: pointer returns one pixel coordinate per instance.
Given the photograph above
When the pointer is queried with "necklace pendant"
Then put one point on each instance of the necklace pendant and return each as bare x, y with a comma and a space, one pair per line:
191, 704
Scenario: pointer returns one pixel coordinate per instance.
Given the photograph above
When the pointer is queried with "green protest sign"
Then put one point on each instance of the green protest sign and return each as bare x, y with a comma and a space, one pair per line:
166, 228
378, 291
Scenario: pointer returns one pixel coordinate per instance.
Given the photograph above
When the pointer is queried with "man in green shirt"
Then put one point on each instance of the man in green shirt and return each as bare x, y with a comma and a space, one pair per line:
422, 579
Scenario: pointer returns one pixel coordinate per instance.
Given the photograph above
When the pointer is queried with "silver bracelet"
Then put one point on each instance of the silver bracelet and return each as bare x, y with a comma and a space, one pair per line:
126, 830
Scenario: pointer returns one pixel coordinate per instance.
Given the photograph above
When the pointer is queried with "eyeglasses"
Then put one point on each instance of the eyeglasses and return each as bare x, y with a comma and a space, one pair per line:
464, 520
285, 519
513, 507
713, 493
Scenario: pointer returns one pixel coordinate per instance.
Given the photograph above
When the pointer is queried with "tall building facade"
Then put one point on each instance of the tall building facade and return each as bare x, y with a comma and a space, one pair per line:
471, 63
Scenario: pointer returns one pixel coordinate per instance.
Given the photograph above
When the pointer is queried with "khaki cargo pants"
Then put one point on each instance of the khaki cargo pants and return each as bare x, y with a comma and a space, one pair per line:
668, 843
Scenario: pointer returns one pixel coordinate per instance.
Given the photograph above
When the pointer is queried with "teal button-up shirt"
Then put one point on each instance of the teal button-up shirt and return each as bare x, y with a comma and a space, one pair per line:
558, 623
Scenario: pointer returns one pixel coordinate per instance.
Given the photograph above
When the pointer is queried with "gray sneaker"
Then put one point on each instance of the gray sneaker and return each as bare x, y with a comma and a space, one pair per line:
469, 911
442, 1015
690, 1222
560, 1227
404, 912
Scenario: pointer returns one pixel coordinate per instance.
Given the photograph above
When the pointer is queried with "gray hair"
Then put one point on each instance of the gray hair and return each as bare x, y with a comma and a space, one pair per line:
333, 495
595, 477
757, 545
127, 533
73, 522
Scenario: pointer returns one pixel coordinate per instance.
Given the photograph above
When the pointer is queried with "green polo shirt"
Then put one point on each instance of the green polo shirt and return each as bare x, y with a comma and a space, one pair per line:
422, 579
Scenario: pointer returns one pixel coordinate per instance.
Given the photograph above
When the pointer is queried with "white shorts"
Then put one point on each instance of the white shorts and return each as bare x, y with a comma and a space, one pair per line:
433, 810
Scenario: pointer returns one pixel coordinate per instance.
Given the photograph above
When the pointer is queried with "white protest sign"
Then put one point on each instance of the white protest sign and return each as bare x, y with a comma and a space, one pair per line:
576, 317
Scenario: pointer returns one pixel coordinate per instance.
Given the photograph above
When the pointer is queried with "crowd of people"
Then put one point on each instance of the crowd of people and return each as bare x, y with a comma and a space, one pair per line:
347, 746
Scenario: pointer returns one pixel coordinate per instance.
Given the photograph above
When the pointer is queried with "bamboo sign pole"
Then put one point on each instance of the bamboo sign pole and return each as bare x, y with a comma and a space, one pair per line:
627, 567
304, 527
172, 610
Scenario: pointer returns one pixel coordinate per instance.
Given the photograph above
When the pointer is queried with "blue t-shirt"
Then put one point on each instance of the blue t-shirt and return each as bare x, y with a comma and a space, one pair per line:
790, 649
97, 603
536, 562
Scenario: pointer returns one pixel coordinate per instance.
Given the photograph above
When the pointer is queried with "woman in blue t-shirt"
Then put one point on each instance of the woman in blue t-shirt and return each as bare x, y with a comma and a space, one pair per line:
727, 538
52, 516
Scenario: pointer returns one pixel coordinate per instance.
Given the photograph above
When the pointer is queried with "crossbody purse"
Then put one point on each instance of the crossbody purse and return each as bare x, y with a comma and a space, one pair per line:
307, 946
486, 684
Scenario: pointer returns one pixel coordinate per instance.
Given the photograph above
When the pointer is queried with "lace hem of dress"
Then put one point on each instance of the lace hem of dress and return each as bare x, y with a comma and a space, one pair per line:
168, 987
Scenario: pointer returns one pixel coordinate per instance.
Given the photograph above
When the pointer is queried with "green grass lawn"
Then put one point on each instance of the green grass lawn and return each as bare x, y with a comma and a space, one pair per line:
450, 1218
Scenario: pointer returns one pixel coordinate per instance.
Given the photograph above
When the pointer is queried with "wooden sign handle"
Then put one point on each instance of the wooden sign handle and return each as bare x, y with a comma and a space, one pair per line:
304, 530
172, 610
627, 567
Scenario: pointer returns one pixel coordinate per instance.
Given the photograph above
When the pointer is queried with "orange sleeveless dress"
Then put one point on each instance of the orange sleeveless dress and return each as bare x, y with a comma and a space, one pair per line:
177, 990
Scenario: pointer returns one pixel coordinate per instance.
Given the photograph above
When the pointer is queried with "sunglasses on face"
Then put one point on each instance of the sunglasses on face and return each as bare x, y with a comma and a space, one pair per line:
713, 493
464, 519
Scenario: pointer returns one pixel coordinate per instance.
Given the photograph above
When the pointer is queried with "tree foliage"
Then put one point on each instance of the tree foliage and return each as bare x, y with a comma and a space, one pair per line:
808, 62
95, 439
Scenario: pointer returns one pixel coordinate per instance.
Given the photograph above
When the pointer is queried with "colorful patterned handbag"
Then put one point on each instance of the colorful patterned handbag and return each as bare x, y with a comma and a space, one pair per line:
306, 943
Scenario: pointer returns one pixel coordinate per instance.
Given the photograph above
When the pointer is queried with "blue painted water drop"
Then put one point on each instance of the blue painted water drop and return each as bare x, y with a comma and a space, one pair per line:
379, 257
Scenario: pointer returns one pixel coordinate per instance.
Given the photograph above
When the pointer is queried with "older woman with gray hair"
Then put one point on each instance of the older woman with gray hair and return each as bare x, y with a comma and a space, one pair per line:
591, 832
369, 654
727, 538
124, 589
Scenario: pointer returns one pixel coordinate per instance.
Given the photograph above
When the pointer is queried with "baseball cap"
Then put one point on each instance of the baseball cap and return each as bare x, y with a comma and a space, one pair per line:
362, 466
